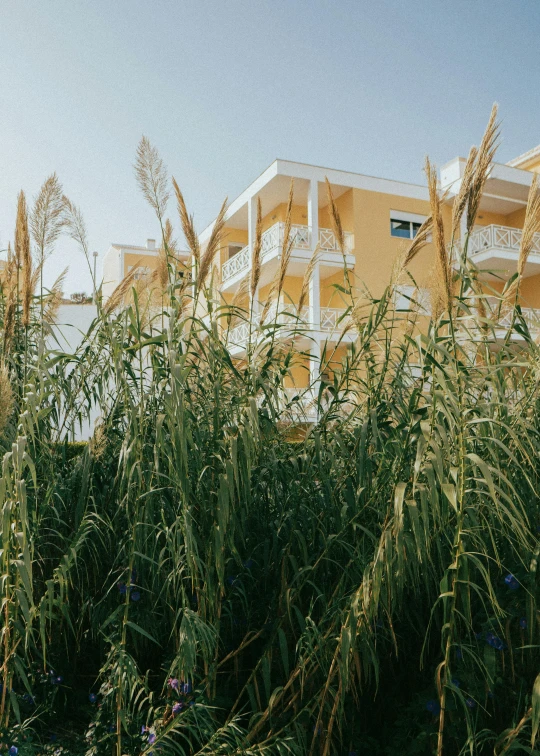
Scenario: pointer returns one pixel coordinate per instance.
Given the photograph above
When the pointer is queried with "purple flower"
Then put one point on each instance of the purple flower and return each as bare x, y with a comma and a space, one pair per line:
173, 683
59, 679
177, 707
248, 564
186, 687
523, 623
471, 703
511, 582
143, 729
152, 738
13, 751
433, 706
92, 698
494, 641
122, 587
135, 596
455, 682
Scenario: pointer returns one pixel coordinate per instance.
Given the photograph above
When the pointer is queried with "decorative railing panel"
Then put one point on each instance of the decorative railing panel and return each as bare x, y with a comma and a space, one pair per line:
272, 240
502, 238
332, 319
235, 264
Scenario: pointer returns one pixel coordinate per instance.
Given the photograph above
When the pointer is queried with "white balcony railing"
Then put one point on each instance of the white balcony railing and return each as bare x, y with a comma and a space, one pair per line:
272, 240
332, 321
503, 238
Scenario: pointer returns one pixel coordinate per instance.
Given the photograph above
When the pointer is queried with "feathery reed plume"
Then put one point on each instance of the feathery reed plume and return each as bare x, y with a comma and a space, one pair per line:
213, 245
531, 226
420, 240
444, 263
11, 294
460, 202
166, 251
23, 256
256, 256
6, 398
152, 176
187, 224
335, 218
48, 217
76, 228
119, 294
484, 159
304, 291
54, 298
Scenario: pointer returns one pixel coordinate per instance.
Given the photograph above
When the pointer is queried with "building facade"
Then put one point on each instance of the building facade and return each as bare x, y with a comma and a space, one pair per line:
377, 215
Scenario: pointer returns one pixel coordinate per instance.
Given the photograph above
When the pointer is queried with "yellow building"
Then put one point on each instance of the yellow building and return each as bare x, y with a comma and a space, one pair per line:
377, 215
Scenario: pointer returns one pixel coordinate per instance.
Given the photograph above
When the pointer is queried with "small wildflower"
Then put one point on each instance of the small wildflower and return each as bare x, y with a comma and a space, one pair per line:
248, 564
523, 623
173, 683
177, 707
471, 703
433, 706
152, 738
135, 596
122, 588
455, 682
59, 679
511, 582
186, 687
92, 698
144, 728
13, 751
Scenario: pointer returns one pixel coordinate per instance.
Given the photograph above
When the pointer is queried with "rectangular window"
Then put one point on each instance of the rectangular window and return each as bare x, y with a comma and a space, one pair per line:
405, 225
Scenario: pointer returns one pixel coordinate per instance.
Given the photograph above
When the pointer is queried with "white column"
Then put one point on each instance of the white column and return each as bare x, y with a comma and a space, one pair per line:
315, 281
314, 292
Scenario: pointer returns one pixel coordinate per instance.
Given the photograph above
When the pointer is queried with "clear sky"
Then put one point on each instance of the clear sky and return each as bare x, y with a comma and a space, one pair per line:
223, 87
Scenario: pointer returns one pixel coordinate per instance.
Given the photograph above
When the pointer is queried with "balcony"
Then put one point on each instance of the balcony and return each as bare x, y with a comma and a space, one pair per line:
495, 249
331, 258
333, 323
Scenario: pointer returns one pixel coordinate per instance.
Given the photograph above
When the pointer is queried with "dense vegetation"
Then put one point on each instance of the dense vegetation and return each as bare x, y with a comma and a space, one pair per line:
211, 573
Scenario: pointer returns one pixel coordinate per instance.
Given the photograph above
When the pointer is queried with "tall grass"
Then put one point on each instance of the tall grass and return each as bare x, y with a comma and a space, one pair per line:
213, 574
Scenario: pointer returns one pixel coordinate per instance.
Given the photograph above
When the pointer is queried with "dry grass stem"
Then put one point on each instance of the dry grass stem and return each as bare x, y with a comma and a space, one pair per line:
213, 245
6, 398
256, 256
420, 240
23, 255
484, 159
304, 291
335, 218
54, 298
462, 198
188, 226
443, 279
152, 176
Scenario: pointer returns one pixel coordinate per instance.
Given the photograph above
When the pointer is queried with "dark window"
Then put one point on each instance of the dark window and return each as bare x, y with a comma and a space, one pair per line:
400, 228
404, 229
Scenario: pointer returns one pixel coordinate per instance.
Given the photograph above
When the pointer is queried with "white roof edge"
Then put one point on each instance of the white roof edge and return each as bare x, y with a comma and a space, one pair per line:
145, 250
525, 157
335, 176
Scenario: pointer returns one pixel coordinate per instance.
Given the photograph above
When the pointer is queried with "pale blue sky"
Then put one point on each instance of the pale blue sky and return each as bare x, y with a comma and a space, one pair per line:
224, 87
